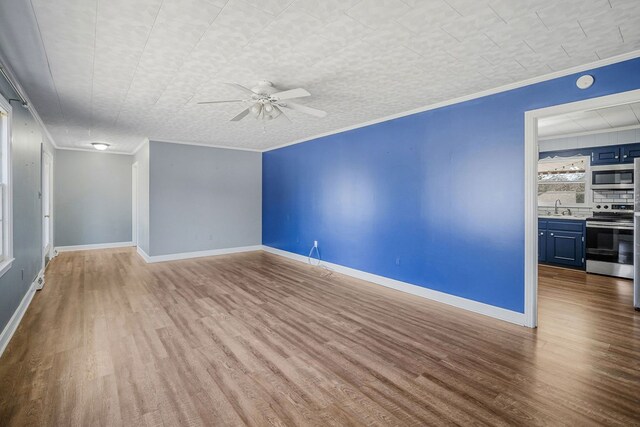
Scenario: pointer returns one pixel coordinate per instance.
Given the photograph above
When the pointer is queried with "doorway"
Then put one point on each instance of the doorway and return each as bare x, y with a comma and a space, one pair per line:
47, 207
134, 203
533, 137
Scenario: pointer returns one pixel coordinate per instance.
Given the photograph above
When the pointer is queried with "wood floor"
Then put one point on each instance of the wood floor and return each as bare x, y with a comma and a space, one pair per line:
260, 340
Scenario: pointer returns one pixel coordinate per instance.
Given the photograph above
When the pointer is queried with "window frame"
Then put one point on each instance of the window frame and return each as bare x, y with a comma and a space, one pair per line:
588, 193
6, 117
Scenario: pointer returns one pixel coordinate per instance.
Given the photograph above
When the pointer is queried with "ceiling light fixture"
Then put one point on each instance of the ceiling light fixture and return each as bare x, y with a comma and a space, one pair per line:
100, 146
585, 81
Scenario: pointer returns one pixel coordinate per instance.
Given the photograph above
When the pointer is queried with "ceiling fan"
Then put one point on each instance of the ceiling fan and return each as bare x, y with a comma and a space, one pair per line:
267, 103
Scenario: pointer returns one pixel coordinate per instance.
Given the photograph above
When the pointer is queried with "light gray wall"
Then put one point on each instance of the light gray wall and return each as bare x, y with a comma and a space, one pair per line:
27, 209
92, 198
203, 198
142, 158
594, 140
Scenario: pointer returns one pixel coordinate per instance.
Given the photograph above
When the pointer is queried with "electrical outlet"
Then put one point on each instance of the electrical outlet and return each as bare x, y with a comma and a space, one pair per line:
315, 243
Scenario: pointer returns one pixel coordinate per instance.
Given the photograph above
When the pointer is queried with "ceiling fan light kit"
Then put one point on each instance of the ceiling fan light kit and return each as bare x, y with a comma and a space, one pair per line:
266, 102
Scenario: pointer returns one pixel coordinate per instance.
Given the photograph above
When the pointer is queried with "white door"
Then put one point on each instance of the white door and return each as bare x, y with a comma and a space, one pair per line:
47, 181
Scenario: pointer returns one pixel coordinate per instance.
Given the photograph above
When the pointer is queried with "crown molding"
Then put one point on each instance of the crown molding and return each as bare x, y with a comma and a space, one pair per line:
511, 86
93, 150
144, 141
202, 144
23, 94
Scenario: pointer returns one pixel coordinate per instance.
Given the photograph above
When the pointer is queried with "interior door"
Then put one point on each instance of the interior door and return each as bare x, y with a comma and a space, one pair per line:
47, 181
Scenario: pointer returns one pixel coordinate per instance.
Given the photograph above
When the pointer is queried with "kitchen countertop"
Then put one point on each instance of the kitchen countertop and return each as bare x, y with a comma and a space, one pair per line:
574, 217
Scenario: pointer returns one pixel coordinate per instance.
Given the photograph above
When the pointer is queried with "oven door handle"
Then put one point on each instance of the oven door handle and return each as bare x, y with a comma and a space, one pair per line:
609, 225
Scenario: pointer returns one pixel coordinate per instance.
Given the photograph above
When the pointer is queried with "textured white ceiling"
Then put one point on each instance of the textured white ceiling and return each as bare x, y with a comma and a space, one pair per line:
123, 70
602, 119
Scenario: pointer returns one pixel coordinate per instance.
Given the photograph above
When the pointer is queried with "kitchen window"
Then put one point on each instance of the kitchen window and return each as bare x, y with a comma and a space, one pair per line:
6, 230
565, 179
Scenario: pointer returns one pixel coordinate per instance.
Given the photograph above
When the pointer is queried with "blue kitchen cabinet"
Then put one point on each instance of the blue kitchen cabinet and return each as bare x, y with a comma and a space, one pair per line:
561, 242
608, 155
605, 155
629, 152
542, 241
564, 248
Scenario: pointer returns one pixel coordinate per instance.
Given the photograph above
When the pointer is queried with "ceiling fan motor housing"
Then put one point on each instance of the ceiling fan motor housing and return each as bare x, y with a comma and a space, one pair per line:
264, 87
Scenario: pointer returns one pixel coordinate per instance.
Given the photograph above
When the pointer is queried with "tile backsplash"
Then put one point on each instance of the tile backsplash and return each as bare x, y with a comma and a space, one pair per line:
612, 196
599, 197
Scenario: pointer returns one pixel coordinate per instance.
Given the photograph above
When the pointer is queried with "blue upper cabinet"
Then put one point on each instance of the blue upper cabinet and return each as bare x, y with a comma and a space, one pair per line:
608, 155
630, 152
605, 155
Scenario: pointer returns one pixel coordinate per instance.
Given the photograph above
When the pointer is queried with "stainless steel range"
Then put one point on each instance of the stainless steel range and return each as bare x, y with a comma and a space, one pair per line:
609, 242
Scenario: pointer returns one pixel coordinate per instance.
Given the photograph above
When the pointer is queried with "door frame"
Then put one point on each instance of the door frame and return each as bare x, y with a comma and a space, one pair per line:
134, 203
531, 187
47, 157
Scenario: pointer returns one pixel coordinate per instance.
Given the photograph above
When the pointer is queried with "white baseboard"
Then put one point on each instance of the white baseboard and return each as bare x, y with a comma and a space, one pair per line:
144, 255
94, 246
455, 301
11, 327
38, 282
197, 254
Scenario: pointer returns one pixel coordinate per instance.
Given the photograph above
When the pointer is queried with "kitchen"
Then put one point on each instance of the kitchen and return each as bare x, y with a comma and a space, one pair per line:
586, 170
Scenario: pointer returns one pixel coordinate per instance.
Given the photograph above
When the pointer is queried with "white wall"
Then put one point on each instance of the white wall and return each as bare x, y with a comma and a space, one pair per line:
593, 140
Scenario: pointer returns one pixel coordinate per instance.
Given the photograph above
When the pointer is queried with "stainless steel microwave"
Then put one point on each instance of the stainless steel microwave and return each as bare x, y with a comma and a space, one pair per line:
612, 177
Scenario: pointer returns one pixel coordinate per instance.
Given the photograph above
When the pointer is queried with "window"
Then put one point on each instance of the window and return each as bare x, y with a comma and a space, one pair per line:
564, 179
6, 230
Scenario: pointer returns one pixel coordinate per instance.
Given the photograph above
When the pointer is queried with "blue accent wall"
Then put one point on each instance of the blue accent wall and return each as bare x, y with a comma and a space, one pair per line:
435, 199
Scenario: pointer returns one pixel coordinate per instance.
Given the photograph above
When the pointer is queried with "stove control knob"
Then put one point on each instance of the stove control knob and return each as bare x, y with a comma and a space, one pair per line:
606, 206
598, 206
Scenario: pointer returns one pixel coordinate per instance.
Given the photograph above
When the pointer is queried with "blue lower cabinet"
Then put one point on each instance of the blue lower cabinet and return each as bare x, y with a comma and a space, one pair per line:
561, 242
542, 245
564, 248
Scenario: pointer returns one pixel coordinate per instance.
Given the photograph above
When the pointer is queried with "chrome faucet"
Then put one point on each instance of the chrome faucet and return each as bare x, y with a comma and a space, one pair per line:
558, 202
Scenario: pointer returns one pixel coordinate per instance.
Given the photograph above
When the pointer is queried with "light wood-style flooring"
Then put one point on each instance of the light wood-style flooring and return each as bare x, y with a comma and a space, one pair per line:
255, 339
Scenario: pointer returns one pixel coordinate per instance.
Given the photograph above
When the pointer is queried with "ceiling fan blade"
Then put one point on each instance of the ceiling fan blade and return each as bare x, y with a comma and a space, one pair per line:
245, 89
221, 102
304, 109
290, 94
241, 115
281, 112
259, 112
